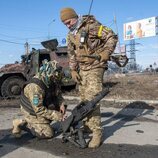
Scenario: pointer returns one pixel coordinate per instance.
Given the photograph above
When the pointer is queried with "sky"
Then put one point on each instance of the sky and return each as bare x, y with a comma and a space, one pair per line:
34, 21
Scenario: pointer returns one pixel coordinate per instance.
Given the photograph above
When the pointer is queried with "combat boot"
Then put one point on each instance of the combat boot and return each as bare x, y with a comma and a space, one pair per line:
96, 139
16, 131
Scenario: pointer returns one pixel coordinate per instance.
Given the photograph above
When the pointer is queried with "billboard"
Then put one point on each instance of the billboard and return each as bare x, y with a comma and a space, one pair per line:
140, 29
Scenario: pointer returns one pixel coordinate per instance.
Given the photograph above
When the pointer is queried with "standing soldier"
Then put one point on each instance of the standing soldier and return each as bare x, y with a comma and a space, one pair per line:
41, 103
89, 46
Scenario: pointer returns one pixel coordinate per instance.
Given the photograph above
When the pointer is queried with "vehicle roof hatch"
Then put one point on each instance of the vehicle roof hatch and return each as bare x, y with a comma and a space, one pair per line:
50, 44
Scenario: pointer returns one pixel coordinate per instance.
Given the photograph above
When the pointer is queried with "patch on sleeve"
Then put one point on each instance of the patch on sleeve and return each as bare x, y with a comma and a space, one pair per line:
35, 99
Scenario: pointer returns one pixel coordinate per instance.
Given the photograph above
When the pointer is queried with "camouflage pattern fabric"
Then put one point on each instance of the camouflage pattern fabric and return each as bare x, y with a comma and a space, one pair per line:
48, 70
38, 127
41, 101
91, 84
41, 111
100, 39
40, 124
41, 130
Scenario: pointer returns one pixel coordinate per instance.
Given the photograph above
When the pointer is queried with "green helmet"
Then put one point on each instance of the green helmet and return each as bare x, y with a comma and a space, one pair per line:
50, 72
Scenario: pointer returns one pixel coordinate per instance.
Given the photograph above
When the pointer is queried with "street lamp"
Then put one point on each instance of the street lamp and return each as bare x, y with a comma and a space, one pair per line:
49, 28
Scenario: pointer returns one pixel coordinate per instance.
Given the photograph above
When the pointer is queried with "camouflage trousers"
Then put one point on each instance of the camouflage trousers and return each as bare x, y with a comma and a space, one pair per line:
39, 127
92, 83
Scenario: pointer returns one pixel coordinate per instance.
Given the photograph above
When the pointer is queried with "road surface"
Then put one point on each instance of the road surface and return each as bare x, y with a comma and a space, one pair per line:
129, 132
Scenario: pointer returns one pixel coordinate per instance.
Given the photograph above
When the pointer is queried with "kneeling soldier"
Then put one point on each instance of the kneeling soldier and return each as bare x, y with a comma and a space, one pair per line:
41, 102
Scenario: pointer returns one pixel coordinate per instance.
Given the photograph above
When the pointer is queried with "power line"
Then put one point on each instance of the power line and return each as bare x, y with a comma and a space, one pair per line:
21, 27
29, 38
11, 42
8, 36
109, 23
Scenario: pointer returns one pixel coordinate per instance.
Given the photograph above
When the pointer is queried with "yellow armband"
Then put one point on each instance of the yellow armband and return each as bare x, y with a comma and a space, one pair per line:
100, 31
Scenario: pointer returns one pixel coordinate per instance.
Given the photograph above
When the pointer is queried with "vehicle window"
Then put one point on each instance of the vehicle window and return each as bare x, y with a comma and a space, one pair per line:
42, 57
62, 55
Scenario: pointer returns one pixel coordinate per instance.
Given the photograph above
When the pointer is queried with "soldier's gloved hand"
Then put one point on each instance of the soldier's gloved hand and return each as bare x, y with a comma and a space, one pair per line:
75, 76
62, 108
58, 116
104, 57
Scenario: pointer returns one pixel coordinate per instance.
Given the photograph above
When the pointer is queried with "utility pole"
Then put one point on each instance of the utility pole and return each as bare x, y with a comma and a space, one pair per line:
27, 48
132, 55
119, 45
132, 50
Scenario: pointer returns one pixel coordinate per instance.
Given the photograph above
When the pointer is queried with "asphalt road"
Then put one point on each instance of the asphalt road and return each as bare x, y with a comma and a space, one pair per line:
128, 133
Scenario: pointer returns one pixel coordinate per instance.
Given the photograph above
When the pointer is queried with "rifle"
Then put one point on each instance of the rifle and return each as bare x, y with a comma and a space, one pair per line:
120, 59
71, 127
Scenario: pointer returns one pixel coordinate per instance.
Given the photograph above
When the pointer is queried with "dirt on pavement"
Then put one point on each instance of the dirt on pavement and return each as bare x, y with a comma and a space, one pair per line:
132, 86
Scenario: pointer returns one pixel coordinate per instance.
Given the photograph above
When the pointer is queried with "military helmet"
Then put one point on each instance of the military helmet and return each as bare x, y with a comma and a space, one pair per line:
49, 71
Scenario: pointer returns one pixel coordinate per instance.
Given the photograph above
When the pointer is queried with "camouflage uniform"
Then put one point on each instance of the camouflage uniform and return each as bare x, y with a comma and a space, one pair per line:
37, 111
100, 39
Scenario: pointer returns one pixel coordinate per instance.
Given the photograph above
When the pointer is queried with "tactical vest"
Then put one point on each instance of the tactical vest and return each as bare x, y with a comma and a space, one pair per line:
49, 99
85, 48
75, 39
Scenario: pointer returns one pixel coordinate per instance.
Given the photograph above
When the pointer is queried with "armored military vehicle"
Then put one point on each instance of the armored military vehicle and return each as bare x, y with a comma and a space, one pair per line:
13, 76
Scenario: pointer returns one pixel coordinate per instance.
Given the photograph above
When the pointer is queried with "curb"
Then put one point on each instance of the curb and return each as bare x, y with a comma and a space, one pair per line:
116, 100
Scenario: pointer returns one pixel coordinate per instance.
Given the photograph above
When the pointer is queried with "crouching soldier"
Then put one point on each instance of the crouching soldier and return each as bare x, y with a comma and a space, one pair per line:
41, 102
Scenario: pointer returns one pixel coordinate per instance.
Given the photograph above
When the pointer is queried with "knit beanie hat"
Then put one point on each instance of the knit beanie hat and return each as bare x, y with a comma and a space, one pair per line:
67, 13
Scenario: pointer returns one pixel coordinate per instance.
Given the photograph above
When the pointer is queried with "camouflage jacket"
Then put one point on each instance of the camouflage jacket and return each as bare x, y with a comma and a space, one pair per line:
36, 95
99, 39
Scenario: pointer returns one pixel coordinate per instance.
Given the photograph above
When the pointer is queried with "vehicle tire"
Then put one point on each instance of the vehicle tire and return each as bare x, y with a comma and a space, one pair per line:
12, 87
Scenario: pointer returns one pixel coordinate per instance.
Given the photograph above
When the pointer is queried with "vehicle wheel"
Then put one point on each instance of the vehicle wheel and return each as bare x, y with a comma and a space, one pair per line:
12, 86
